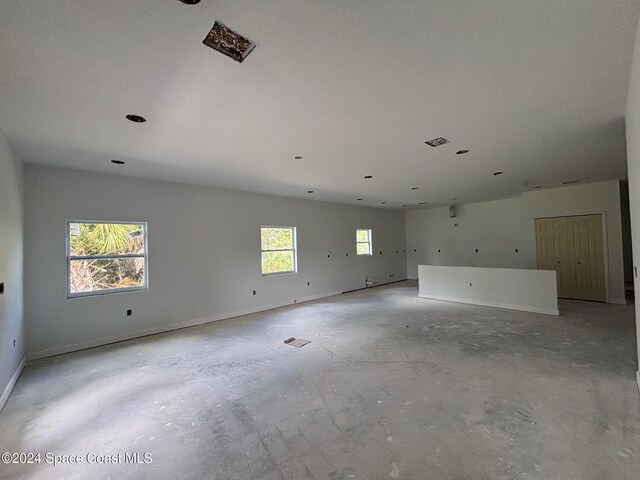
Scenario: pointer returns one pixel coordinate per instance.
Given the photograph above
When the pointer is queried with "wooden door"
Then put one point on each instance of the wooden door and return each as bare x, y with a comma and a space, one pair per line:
573, 247
585, 246
551, 251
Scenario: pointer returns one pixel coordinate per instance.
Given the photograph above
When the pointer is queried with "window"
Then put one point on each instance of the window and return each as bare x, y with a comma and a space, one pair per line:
363, 241
106, 257
278, 250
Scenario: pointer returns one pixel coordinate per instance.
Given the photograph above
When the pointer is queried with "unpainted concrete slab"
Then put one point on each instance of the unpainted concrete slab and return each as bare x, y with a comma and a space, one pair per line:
391, 386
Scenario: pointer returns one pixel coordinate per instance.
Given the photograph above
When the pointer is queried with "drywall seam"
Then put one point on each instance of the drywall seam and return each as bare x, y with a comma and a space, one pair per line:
12, 383
167, 328
494, 304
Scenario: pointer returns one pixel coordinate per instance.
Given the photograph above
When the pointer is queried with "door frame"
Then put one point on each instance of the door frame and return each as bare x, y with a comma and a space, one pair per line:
605, 248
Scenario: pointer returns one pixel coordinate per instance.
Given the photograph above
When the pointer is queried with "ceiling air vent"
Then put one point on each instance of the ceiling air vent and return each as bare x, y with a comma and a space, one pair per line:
228, 42
436, 142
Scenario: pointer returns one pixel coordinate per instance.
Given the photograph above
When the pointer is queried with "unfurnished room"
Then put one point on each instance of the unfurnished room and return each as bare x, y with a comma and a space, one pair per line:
325, 240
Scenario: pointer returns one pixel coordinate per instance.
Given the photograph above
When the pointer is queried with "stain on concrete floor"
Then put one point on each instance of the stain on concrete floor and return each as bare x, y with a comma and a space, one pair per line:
392, 386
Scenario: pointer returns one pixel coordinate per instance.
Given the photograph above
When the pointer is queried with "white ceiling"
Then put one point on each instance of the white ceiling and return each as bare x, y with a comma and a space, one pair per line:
536, 89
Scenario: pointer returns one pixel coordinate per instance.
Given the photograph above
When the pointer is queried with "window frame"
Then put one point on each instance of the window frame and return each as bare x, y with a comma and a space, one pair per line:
294, 249
369, 242
109, 291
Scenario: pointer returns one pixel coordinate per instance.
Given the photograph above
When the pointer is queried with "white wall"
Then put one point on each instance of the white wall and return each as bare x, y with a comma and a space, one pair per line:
633, 165
204, 254
513, 288
494, 228
11, 266
499, 227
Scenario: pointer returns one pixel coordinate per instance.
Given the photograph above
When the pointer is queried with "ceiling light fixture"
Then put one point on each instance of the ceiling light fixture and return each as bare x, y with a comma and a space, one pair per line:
462, 152
117, 162
190, 2
310, 191
570, 182
414, 188
436, 142
228, 42
136, 118
298, 157
495, 174
368, 176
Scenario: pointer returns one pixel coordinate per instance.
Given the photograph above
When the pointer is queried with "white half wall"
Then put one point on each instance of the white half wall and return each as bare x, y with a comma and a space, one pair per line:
204, 254
515, 289
12, 336
498, 228
633, 166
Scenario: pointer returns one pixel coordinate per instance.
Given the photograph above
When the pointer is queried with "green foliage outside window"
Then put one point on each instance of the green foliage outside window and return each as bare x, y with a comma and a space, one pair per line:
278, 249
105, 240
363, 241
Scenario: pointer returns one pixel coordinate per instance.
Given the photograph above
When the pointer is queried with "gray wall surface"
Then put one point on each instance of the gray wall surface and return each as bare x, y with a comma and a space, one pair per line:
632, 120
204, 254
11, 264
499, 227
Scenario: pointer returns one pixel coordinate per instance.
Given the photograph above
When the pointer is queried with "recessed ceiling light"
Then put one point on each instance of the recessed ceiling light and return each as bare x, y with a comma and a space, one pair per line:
570, 182
136, 118
414, 188
117, 162
368, 176
298, 157
495, 174
538, 186
436, 142
228, 42
310, 191
462, 152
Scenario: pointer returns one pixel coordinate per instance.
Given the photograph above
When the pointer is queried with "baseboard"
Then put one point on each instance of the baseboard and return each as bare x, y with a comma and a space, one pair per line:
523, 308
12, 383
50, 352
374, 286
617, 301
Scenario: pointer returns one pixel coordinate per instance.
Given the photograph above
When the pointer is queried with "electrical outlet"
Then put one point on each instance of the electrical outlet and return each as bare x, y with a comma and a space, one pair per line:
129, 312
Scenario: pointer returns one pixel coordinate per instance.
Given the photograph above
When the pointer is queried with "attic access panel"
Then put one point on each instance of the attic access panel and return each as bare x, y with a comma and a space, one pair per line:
228, 42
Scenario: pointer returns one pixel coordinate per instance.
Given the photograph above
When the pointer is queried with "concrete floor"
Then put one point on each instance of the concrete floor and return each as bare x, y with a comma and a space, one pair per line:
391, 386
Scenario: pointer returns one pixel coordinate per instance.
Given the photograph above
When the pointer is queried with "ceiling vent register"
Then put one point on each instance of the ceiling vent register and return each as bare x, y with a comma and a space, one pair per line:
436, 142
228, 42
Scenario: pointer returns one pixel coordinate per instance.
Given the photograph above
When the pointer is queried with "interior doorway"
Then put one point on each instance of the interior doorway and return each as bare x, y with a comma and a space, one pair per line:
573, 247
